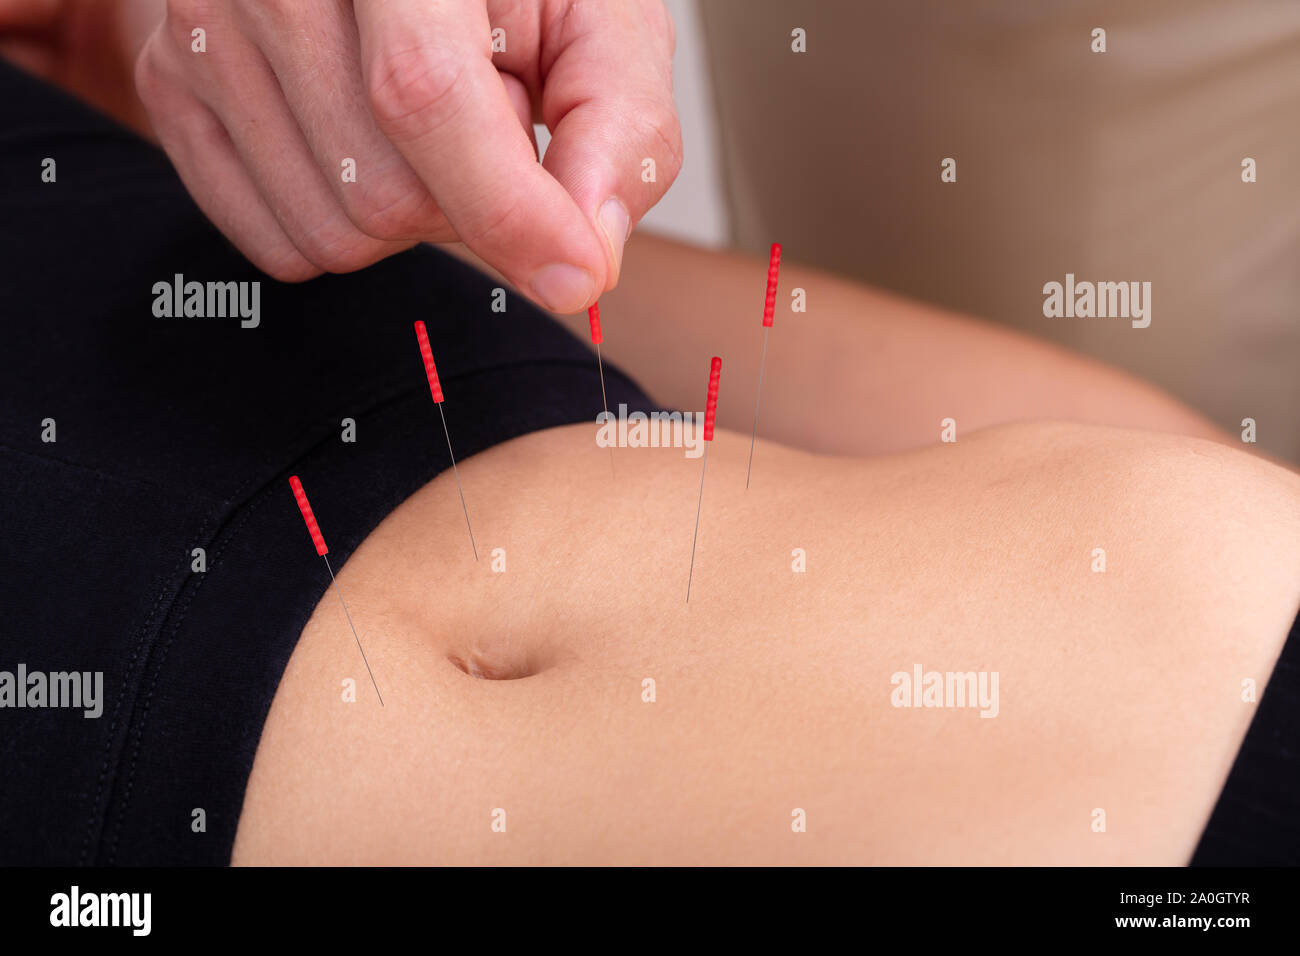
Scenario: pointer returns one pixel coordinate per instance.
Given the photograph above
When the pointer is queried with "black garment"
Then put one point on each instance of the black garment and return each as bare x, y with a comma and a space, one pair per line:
181, 433
1257, 819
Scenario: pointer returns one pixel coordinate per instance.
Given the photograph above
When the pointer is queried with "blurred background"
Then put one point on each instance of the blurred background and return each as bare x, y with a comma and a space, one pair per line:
1115, 166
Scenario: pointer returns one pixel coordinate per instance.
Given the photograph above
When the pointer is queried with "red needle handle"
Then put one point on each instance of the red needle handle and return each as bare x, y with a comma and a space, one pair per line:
773, 272
430, 370
305, 507
711, 409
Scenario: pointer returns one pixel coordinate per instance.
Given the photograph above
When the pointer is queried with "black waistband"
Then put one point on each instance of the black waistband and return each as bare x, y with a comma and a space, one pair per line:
1256, 821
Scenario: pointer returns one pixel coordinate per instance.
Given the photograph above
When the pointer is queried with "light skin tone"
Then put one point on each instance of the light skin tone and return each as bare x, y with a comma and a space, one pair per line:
862, 371
524, 690
1118, 690
439, 124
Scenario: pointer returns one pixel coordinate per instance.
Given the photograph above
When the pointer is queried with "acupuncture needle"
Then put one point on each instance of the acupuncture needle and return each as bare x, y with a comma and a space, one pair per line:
318, 539
435, 387
769, 307
593, 319
710, 413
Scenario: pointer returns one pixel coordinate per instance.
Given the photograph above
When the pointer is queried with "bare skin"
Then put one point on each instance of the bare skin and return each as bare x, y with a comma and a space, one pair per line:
417, 96
1118, 690
862, 371
523, 690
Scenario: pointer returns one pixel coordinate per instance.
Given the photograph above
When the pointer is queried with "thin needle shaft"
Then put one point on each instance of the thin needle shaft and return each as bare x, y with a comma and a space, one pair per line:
762, 365
696, 537
339, 592
605, 401
456, 472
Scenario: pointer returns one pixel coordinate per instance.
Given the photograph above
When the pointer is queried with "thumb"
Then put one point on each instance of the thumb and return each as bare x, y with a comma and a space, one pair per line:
616, 145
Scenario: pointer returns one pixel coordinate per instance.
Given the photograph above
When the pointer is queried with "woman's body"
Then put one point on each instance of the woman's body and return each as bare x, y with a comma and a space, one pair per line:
1119, 690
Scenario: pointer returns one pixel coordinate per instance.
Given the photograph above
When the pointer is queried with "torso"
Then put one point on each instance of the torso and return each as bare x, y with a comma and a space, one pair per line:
1119, 691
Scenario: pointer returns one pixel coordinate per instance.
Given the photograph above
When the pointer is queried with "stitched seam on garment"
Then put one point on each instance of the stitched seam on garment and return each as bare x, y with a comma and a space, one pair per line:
98, 805
248, 505
151, 629
218, 539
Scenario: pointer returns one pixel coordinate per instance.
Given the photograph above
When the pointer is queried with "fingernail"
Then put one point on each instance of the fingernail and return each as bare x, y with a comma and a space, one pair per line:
562, 287
615, 221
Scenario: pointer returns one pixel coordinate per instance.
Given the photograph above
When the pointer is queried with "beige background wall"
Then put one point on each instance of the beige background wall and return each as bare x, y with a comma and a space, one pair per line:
1117, 166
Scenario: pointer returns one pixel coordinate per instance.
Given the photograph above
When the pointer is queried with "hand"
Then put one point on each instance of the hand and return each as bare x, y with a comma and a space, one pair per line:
79, 45
440, 128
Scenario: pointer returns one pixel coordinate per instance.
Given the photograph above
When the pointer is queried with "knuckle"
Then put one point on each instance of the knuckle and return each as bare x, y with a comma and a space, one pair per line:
335, 249
285, 264
490, 222
411, 214
661, 128
151, 82
413, 83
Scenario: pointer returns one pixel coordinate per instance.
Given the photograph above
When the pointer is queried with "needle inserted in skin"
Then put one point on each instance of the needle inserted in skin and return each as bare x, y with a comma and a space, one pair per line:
691, 574
318, 539
769, 307
754, 436
435, 388
710, 414
593, 318
456, 473
339, 592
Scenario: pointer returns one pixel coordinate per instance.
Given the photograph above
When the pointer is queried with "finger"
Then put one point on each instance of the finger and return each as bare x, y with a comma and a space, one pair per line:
521, 103
440, 100
250, 104
517, 27
314, 51
211, 170
616, 145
